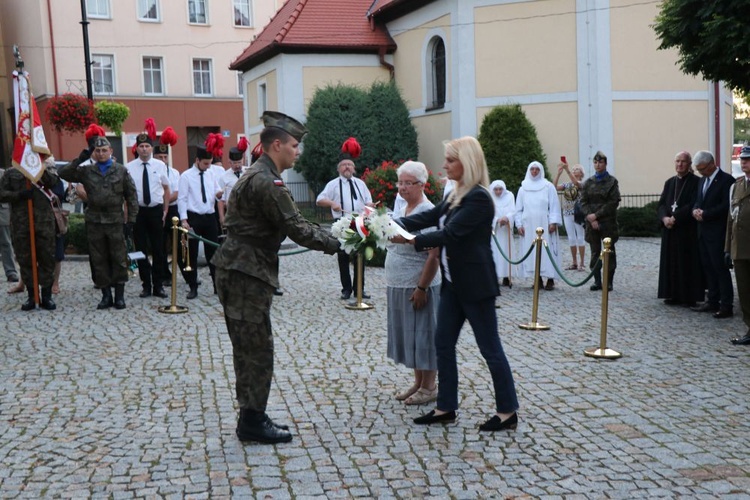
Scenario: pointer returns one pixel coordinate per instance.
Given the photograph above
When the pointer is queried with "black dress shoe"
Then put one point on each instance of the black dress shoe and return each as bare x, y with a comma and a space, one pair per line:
365, 295
278, 292
495, 424
431, 418
705, 307
595, 287
346, 294
723, 313
742, 341
159, 292
193, 293
146, 292
506, 282
262, 432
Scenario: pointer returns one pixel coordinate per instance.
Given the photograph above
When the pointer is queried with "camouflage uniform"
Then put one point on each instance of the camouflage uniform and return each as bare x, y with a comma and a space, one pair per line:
11, 186
263, 214
601, 197
104, 217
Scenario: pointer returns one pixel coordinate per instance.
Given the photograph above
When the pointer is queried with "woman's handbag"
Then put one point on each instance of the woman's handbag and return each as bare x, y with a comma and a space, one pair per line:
61, 216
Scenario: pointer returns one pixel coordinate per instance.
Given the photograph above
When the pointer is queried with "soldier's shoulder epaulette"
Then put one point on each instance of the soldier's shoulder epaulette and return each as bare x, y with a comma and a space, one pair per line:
739, 179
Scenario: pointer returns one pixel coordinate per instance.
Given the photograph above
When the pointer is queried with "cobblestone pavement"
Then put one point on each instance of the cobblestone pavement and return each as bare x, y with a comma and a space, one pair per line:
134, 403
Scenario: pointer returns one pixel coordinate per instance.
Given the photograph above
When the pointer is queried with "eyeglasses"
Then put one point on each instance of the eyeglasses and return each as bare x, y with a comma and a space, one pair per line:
407, 183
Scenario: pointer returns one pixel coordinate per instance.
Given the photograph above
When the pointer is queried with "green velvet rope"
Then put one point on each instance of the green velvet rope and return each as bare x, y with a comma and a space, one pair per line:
516, 262
596, 269
213, 243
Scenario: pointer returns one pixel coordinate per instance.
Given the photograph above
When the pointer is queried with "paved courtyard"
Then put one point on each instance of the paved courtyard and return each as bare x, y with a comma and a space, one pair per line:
134, 403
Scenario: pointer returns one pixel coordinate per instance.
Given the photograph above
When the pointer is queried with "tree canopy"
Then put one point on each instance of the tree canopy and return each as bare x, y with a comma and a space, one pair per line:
711, 38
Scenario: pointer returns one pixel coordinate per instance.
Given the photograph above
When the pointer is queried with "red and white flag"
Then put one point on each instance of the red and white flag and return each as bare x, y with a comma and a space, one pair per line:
30, 147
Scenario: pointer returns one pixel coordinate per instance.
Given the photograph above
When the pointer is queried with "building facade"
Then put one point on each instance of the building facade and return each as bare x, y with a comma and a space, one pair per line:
168, 60
586, 72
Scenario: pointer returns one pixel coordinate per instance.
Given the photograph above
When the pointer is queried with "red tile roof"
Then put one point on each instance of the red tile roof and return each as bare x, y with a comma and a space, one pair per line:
387, 10
317, 26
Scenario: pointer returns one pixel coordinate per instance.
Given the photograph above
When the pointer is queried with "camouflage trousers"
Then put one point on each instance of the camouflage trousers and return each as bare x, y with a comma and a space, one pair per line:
107, 254
45, 253
247, 310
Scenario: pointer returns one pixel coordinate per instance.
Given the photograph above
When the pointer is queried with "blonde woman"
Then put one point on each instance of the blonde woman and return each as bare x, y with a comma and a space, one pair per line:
571, 192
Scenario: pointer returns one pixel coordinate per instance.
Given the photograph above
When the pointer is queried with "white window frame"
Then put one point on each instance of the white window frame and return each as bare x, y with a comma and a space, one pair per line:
151, 71
98, 15
210, 76
114, 74
243, 3
262, 91
240, 86
205, 9
430, 78
157, 19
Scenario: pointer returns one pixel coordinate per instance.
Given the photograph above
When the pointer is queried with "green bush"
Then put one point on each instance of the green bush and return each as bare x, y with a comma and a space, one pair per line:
76, 236
641, 221
510, 143
377, 117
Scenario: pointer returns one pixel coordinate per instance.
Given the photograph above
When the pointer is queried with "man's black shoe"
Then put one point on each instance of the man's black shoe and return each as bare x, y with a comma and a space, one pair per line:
30, 304
106, 301
723, 313
705, 307
346, 294
159, 292
146, 292
278, 292
283, 427
256, 426
595, 287
120, 296
365, 295
742, 341
193, 293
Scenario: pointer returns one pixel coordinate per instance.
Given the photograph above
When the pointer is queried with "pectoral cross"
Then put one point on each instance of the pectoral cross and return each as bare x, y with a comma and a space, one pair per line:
674, 206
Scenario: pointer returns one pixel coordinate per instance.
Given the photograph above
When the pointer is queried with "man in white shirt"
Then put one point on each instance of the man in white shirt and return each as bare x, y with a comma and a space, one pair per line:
228, 179
199, 187
344, 195
161, 152
152, 184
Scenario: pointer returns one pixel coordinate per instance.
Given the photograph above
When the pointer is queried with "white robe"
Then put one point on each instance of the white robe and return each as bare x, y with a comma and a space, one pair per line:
505, 206
535, 209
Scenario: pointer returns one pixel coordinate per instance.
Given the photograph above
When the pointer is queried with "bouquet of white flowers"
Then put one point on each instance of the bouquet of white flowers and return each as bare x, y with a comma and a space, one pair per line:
364, 232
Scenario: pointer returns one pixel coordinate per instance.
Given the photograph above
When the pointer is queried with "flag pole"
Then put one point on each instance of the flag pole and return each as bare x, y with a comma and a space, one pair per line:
32, 241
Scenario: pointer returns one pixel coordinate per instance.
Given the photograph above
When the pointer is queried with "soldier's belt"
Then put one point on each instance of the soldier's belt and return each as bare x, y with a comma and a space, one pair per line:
262, 244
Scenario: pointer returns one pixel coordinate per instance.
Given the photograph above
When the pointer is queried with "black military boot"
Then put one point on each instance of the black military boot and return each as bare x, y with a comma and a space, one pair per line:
29, 305
106, 301
611, 279
120, 296
597, 281
256, 426
47, 302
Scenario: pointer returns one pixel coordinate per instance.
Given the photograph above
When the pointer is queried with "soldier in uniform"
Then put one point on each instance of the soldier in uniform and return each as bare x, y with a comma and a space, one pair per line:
737, 243
14, 190
262, 215
108, 184
600, 197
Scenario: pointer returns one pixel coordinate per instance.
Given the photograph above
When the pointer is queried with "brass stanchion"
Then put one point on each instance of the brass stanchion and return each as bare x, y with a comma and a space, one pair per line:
533, 324
602, 351
358, 305
173, 308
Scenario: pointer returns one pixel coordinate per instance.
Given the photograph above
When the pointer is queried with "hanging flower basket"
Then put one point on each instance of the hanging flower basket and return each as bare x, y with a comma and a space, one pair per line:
70, 113
112, 115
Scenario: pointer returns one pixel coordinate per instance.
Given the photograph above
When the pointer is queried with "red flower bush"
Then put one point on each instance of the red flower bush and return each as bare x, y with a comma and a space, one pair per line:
381, 181
70, 113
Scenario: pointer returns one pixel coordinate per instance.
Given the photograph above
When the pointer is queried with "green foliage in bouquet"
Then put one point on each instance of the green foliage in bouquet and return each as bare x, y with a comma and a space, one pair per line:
377, 117
381, 182
112, 115
70, 113
510, 143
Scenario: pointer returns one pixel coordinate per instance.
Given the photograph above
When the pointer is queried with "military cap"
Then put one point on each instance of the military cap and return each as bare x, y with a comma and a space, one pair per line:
745, 153
599, 156
142, 138
235, 154
203, 154
161, 149
285, 123
101, 142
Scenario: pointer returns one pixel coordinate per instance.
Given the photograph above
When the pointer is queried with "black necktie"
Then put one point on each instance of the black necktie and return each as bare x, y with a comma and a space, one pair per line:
237, 174
353, 192
203, 188
146, 187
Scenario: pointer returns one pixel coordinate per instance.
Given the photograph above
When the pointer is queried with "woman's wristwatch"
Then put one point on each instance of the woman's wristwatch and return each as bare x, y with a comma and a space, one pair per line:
421, 288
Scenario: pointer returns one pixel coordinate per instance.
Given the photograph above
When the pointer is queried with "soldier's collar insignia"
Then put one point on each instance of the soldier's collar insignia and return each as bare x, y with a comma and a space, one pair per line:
278, 182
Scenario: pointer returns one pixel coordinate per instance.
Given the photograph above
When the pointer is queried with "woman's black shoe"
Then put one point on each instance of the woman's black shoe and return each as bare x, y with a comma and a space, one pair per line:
495, 424
431, 418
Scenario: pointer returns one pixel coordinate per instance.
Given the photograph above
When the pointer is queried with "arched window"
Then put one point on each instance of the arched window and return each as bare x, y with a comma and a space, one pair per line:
436, 72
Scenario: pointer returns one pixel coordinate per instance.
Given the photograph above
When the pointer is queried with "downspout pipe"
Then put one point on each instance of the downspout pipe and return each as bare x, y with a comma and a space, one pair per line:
381, 56
717, 125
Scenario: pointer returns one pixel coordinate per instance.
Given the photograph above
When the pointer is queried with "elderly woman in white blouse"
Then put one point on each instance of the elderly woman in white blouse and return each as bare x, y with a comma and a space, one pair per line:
505, 210
537, 205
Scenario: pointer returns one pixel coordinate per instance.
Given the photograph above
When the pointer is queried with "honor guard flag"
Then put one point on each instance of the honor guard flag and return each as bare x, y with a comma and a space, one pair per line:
30, 147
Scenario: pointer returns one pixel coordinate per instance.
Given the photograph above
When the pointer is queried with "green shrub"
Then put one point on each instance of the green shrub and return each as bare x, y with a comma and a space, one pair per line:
510, 143
76, 237
641, 221
377, 117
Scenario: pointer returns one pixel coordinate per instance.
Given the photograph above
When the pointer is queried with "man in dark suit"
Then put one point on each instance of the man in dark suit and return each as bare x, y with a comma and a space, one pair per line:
710, 210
